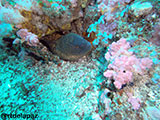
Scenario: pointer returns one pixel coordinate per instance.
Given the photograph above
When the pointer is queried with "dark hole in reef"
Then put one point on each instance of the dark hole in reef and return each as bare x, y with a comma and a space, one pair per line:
36, 57
9, 46
9, 41
51, 38
112, 87
124, 86
45, 44
108, 94
112, 80
131, 83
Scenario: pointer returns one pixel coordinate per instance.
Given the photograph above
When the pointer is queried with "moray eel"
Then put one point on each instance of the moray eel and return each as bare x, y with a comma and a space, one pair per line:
71, 47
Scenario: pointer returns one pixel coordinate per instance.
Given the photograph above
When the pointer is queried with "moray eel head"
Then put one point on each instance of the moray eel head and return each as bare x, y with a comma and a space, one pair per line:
72, 47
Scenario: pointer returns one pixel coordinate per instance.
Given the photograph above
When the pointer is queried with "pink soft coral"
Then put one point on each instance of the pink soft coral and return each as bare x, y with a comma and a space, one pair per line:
31, 38
134, 101
124, 63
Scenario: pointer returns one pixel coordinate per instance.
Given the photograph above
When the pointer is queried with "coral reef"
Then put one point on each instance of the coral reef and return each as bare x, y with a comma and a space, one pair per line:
80, 59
